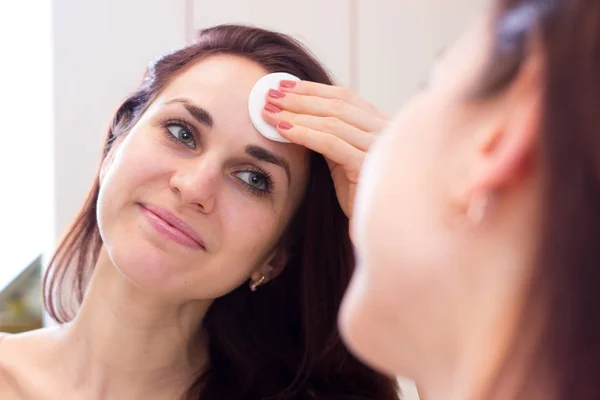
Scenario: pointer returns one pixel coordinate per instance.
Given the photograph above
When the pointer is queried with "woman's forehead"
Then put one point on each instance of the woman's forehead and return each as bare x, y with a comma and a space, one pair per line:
228, 75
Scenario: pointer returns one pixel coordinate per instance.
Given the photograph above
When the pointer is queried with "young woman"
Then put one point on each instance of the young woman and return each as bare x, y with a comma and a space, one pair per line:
209, 262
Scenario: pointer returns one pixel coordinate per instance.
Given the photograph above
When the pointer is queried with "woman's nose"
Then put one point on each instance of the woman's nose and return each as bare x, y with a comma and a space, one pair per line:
197, 183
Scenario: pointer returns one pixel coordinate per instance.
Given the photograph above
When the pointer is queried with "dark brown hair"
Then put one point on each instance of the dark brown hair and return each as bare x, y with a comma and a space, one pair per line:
281, 341
565, 287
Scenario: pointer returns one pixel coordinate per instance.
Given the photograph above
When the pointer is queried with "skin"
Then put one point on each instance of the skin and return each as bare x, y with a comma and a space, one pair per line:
149, 294
446, 226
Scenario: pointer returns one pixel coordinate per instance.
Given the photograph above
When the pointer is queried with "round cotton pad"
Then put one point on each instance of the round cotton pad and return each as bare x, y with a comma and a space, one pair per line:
258, 99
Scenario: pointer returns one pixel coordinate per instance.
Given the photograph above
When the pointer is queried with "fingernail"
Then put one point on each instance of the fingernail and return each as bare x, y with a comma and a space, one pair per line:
276, 94
285, 125
287, 84
272, 109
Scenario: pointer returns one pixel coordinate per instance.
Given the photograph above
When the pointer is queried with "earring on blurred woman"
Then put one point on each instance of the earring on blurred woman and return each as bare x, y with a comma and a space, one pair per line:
255, 284
478, 207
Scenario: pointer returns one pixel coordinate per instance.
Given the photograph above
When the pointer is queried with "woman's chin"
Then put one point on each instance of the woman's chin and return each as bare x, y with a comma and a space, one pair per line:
358, 323
147, 267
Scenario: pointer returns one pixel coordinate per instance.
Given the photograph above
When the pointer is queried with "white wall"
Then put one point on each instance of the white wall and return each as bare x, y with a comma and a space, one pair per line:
25, 134
323, 25
398, 41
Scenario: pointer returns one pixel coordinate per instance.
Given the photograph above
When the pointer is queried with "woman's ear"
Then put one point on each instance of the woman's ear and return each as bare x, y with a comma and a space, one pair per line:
273, 267
501, 150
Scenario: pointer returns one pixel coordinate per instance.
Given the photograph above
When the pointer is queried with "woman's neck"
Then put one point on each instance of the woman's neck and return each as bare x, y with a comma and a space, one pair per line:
472, 371
493, 351
126, 343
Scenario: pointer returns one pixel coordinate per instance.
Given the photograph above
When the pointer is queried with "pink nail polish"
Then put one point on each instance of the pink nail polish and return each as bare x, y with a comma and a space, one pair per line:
272, 109
276, 94
285, 125
287, 84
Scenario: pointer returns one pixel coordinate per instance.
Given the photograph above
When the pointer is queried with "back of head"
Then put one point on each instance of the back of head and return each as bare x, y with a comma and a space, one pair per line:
564, 287
281, 341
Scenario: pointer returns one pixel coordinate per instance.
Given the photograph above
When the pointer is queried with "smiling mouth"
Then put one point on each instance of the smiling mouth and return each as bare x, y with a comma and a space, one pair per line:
172, 227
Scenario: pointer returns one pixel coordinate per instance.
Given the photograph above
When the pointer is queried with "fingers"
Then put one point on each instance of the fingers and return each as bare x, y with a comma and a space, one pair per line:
348, 133
314, 89
330, 146
325, 107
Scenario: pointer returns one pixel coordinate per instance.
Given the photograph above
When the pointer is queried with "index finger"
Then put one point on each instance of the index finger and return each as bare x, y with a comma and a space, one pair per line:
308, 88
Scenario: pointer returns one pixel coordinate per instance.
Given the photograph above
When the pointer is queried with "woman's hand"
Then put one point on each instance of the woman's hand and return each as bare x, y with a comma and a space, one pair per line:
330, 120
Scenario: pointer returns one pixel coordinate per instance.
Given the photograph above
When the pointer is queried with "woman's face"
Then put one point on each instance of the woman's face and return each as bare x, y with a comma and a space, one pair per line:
416, 280
194, 200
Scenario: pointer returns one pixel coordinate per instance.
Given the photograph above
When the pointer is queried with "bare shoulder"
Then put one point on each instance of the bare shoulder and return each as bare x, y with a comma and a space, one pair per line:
19, 357
9, 387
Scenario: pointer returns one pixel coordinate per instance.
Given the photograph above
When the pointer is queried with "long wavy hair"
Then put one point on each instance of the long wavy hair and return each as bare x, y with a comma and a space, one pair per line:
565, 286
280, 342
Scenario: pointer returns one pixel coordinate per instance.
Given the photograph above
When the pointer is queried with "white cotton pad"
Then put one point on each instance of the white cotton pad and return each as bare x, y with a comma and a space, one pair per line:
258, 99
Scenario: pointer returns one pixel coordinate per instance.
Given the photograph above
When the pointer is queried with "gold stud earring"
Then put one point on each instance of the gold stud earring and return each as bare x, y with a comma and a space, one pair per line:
256, 284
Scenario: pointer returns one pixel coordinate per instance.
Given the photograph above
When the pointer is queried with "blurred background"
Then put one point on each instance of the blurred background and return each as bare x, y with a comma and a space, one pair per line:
66, 65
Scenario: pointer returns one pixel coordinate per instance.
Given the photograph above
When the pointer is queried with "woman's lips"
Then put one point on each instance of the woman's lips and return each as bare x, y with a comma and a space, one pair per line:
172, 227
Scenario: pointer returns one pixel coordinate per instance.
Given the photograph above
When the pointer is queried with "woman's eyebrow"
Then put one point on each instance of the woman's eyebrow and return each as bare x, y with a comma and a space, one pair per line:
200, 114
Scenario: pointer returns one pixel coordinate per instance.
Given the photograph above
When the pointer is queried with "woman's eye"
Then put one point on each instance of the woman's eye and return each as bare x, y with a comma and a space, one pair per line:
253, 179
182, 134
